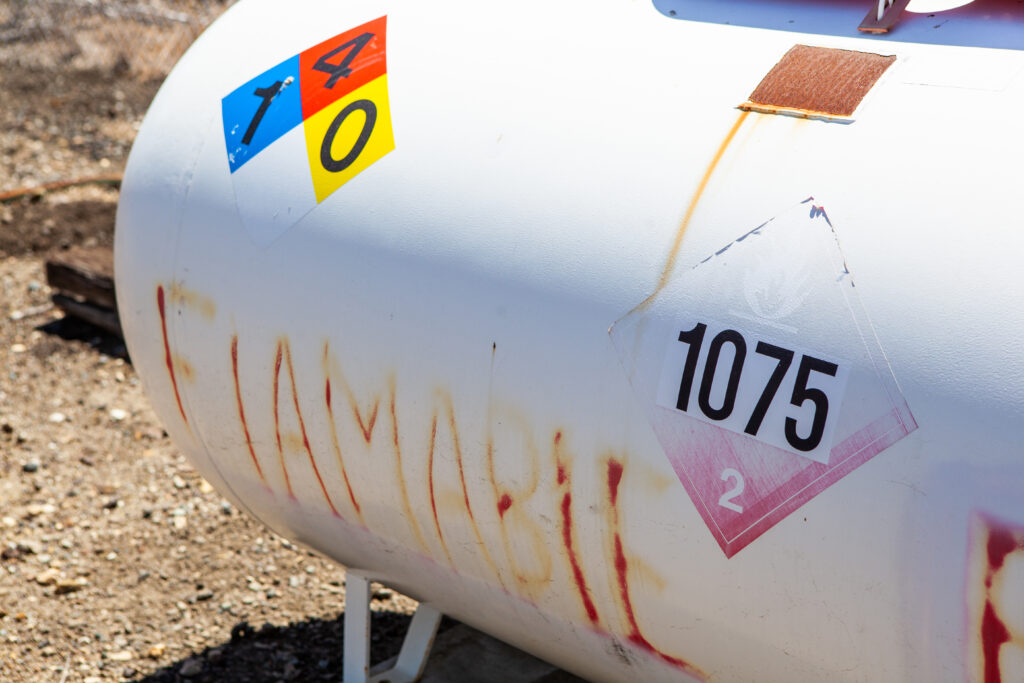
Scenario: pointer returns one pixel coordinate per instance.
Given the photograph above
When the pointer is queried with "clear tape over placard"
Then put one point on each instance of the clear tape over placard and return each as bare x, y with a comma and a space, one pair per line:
762, 376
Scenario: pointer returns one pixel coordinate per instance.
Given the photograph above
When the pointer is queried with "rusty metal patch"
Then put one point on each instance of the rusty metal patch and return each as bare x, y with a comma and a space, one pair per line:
818, 82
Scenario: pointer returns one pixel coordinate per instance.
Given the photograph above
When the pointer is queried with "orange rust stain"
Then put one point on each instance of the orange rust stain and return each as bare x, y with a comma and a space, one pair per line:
302, 425
277, 419
820, 80
192, 299
406, 505
168, 360
673, 254
636, 637
241, 409
188, 372
334, 431
504, 503
562, 468
430, 484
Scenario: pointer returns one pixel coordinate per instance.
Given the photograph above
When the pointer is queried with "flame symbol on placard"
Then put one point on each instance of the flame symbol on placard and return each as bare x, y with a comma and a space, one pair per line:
778, 285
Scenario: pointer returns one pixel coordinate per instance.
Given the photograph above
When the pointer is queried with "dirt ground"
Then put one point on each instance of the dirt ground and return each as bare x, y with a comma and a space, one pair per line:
117, 561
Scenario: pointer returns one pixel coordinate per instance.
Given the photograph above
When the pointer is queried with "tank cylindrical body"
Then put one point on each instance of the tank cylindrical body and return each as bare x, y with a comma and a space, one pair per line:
516, 311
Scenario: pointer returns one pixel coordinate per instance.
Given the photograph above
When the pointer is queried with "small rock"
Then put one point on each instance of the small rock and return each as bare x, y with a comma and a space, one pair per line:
18, 348
65, 586
205, 486
48, 577
57, 418
178, 482
157, 651
191, 667
179, 522
29, 547
9, 522
117, 414
122, 656
204, 595
37, 509
30, 466
382, 594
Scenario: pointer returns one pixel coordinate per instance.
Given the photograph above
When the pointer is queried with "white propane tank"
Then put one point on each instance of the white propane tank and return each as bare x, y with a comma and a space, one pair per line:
540, 313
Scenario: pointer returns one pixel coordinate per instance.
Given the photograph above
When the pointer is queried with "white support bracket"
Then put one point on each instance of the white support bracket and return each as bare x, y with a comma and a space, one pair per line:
412, 658
883, 16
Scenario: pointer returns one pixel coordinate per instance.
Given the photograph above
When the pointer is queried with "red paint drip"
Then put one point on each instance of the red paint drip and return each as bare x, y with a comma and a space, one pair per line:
430, 484
367, 429
614, 478
241, 408
465, 489
1000, 544
993, 634
337, 448
161, 306
277, 421
305, 438
635, 636
577, 570
561, 475
504, 503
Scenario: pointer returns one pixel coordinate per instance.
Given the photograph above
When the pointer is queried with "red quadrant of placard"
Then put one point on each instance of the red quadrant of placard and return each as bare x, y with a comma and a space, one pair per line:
363, 52
775, 483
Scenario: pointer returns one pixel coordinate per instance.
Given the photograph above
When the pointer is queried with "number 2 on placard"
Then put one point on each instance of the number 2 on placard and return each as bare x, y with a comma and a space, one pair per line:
737, 489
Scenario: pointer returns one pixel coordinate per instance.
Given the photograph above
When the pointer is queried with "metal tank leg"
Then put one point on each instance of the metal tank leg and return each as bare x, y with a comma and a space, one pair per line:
412, 658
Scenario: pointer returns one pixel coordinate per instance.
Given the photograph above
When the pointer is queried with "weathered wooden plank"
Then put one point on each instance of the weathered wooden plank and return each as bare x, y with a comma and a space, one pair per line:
84, 274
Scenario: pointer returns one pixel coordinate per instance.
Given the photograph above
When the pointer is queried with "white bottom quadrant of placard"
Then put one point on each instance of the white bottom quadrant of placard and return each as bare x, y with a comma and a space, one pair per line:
786, 283
274, 189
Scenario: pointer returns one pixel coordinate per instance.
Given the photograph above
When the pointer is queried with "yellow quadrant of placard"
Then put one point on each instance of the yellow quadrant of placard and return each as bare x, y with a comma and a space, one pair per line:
346, 121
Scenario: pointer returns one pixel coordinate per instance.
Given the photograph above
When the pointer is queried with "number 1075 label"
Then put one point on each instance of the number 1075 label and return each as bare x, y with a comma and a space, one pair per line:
774, 392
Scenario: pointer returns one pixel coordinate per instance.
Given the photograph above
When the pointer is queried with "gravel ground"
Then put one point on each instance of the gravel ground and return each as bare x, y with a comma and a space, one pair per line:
117, 560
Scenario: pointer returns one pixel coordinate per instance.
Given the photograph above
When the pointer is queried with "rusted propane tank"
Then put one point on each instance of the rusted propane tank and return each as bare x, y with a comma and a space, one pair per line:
662, 348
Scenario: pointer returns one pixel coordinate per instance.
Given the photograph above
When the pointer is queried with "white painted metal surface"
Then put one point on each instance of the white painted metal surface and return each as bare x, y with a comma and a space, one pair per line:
454, 370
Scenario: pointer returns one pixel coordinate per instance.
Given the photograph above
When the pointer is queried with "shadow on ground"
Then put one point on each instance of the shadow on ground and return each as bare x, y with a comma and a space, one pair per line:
310, 650
70, 328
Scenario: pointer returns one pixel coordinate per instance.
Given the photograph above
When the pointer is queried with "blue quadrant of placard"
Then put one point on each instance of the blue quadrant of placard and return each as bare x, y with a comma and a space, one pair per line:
241, 106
